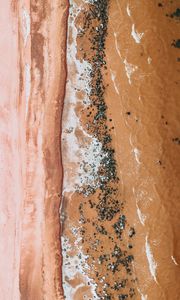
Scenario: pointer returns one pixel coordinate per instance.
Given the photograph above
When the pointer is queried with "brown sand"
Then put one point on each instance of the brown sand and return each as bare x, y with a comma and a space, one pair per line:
142, 85
147, 153
120, 212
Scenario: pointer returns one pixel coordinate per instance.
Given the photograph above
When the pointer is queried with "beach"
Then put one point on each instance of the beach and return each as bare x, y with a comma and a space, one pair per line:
120, 145
90, 161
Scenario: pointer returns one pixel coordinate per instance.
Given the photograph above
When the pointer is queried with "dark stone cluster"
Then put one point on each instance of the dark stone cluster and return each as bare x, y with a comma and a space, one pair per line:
176, 140
119, 226
176, 17
108, 205
176, 43
108, 222
95, 24
175, 14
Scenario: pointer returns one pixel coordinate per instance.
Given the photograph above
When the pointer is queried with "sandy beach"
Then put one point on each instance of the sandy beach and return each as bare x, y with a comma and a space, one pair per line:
124, 227
89, 150
33, 74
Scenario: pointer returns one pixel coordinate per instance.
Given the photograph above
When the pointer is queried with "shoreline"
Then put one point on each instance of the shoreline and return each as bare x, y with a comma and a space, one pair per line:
133, 96
90, 159
33, 87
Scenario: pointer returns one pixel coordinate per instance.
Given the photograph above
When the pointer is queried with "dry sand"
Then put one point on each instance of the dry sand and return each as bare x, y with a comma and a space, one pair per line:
33, 75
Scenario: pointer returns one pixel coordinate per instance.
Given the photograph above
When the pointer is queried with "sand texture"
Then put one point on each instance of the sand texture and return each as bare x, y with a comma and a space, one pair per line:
89, 150
120, 151
32, 71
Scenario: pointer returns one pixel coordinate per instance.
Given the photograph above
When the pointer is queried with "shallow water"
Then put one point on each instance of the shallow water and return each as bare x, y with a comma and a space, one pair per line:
141, 120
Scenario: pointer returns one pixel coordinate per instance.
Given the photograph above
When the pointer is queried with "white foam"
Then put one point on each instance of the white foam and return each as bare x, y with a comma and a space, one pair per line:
75, 266
136, 35
130, 69
151, 261
135, 151
83, 153
141, 217
149, 60
143, 297
113, 78
116, 45
174, 261
81, 156
137, 155
26, 25
128, 10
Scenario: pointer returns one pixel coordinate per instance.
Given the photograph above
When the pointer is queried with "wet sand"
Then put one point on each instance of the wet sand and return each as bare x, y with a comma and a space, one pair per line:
149, 121
112, 157
135, 109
